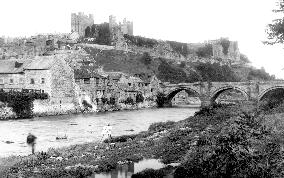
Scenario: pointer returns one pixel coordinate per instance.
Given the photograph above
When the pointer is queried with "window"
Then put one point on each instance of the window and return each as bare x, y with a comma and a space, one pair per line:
42, 80
86, 81
1, 81
97, 81
32, 81
11, 81
22, 80
77, 80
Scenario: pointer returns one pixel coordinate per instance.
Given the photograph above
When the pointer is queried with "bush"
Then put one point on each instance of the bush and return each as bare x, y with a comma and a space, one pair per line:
225, 43
21, 102
146, 58
161, 99
104, 100
238, 147
160, 126
205, 51
123, 138
129, 100
140, 41
180, 48
149, 173
139, 98
86, 105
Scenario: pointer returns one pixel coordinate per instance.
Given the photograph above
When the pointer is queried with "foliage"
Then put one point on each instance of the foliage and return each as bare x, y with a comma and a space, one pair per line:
225, 43
140, 41
171, 73
180, 48
275, 30
244, 58
86, 105
161, 99
122, 138
205, 51
112, 101
104, 100
182, 64
21, 102
271, 100
100, 32
88, 32
149, 173
216, 72
146, 58
161, 126
238, 147
129, 100
139, 98
259, 74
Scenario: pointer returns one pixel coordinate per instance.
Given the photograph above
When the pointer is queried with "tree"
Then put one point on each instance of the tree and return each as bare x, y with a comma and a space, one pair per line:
161, 99
275, 30
139, 98
244, 58
88, 32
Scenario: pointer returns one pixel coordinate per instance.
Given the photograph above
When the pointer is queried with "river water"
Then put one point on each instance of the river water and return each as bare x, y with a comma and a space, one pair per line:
80, 128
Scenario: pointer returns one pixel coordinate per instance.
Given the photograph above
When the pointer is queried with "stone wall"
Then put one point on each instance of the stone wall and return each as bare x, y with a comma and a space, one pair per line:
18, 81
42, 80
62, 82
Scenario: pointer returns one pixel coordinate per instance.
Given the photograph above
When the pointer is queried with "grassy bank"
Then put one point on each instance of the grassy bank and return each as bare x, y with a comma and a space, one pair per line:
219, 135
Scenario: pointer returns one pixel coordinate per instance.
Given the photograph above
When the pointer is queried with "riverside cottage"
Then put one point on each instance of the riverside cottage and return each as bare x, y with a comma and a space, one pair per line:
49, 74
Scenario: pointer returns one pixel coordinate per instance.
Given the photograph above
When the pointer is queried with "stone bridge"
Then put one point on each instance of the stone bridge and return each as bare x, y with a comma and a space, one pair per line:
208, 91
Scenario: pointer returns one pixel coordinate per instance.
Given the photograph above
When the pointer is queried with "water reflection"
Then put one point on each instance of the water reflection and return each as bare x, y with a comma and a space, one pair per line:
126, 171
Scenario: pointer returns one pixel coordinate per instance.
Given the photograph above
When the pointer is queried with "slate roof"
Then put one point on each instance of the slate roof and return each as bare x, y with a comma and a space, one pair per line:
41, 63
86, 73
13, 66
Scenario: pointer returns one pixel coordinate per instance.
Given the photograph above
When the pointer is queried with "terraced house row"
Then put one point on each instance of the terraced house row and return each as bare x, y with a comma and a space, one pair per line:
68, 87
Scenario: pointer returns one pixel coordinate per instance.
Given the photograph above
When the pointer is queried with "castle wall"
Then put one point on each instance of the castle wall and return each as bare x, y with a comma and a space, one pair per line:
80, 22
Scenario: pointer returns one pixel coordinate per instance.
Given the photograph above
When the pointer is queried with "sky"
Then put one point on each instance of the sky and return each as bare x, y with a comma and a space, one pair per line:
186, 21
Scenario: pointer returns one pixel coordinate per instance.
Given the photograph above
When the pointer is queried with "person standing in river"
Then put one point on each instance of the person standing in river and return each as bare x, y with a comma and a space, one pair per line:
106, 133
31, 141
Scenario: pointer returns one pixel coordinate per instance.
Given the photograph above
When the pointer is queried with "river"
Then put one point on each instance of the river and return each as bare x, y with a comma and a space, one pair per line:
80, 128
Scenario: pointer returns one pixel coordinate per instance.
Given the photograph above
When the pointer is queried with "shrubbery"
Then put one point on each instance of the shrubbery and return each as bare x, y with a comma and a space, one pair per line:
21, 102
216, 72
161, 126
139, 98
161, 99
140, 41
205, 51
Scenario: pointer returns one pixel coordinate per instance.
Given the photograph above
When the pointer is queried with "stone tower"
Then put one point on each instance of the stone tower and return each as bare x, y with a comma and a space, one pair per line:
80, 21
126, 27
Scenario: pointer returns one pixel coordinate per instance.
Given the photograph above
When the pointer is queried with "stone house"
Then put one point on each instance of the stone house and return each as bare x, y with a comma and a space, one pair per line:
92, 85
49, 74
12, 74
152, 86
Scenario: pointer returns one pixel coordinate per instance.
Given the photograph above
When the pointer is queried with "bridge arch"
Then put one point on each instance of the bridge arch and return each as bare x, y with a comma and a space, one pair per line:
171, 95
217, 92
262, 94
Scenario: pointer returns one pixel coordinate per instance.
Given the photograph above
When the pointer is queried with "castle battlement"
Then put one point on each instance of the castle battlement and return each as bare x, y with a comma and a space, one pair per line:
80, 21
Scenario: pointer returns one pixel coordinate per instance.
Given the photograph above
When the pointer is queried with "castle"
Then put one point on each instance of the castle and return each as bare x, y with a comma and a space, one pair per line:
126, 27
80, 22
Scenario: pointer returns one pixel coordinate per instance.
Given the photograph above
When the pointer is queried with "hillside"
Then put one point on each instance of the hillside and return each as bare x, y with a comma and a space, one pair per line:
169, 70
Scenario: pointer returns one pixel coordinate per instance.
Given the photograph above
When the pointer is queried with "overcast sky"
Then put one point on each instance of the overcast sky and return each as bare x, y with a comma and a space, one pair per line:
179, 20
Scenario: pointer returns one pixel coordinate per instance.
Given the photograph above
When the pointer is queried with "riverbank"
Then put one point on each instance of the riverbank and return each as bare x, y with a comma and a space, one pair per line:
170, 142
6, 113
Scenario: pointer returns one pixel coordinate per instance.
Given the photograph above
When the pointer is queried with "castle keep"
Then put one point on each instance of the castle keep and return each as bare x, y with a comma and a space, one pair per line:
80, 21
